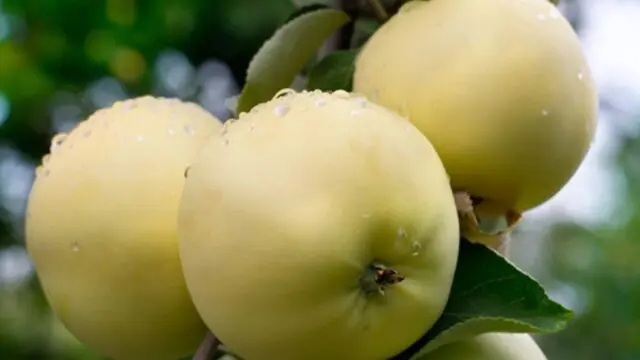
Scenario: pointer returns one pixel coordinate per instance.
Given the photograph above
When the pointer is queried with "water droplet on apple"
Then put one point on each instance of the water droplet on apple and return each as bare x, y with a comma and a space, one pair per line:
401, 233
284, 93
416, 247
170, 131
139, 138
281, 110
189, 130
321, 102
544, 112
580, 76
57, 140
362, 102
341, 94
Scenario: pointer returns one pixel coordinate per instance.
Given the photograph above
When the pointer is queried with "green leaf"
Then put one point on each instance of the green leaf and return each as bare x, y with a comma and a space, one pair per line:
333, 72
311, 7
364, 28
490, 294
303, 3
282, 57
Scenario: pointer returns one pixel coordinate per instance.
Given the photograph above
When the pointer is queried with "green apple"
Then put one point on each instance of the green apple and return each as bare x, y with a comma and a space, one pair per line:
501, 88
490, 346
318, 226
101, 228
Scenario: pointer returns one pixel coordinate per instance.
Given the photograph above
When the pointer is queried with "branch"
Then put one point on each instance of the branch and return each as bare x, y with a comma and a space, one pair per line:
207, 348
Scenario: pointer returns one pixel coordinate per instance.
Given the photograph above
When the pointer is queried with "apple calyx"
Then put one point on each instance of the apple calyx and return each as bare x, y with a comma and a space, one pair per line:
378, 277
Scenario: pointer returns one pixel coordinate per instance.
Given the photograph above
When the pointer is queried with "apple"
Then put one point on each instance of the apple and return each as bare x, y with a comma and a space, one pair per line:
489, 346
501, 88
318, 226
101, 228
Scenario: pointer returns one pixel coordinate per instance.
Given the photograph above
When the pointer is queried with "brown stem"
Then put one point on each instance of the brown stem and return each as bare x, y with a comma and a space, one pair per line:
505, 244
207, 348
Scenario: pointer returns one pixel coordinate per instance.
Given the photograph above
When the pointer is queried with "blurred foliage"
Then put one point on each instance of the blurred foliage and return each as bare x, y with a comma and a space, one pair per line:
60, 60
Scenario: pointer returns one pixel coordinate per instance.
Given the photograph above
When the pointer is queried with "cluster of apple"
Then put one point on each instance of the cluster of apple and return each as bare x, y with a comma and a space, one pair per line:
319, 225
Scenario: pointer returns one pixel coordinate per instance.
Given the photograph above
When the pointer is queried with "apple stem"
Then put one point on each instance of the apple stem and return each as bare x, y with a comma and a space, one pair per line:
377, 277
207, 348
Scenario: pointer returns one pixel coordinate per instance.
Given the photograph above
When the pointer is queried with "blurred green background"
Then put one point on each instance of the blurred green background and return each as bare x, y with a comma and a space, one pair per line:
62, 59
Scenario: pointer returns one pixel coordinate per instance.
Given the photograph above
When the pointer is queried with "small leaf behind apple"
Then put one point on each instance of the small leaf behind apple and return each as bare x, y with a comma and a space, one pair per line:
490, 294
333, 72
281, 58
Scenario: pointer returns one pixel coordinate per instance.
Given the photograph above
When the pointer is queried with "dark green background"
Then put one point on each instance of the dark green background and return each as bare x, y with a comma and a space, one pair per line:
62, 59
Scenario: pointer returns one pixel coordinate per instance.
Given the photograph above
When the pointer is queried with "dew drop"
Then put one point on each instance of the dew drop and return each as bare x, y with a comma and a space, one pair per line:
541, 17
75, 247
170, 131
225, 141
341, 94
189, 130
416, 247
281, 110
284, 93
57, 140
139, 138
544, 112
580, 76
354, 112
251, 127
321, 102
401, 233
256, 108
362, 102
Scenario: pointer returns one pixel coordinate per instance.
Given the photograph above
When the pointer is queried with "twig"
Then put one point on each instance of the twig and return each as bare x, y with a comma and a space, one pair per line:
207, 348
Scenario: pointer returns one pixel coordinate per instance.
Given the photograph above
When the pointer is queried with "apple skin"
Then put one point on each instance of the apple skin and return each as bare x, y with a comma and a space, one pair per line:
501, 88
101, 228
490, 346
284, 212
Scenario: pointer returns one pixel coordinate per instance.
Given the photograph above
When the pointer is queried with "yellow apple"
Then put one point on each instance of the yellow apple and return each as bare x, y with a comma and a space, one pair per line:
318, 226
490, 346
101, 228
500, 87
